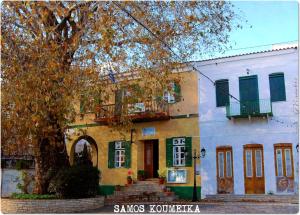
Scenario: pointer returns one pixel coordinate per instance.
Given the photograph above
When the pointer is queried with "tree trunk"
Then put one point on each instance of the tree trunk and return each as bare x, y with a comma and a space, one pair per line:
50, 157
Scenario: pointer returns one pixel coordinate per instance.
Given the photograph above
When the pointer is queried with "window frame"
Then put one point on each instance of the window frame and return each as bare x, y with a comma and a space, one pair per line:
119, 154
256, 163
180, 145
283, 147
251, 164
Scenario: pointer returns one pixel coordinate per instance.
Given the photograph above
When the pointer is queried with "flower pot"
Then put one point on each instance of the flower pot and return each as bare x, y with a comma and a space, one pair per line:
161, 180
129, 180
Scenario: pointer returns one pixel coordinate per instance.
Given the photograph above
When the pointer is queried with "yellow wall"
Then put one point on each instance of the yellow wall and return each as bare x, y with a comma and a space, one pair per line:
164, 129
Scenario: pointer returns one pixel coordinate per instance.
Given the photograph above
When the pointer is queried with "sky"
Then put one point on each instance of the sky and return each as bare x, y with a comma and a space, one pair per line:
272, 22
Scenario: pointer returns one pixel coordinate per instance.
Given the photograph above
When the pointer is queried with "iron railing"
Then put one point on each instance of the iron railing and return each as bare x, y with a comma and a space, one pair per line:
151, 108
262, 107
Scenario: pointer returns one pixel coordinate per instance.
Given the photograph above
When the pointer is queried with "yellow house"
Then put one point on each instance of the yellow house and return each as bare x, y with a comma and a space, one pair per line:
164, 136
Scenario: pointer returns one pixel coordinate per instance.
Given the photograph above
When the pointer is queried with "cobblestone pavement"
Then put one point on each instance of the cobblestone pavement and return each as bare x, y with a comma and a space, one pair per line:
223, 208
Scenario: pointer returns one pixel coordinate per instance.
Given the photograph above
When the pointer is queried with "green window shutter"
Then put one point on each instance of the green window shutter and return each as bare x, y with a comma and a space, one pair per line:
169, 152
188, 147
127, 154
177, 92
277, 87
222, 92
111, 155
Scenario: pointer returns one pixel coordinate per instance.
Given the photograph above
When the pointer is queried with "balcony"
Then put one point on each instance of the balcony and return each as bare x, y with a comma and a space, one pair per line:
247, 109
137, 112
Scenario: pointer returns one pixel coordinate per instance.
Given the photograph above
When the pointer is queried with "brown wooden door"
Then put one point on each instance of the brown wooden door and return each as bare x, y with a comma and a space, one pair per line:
254, 169
148, 159
284, 167
224, 169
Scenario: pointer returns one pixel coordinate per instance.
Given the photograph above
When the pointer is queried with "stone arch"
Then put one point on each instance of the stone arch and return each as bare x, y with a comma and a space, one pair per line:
93, 145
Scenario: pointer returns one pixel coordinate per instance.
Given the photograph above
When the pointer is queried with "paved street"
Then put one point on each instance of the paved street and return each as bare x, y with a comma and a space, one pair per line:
223, 208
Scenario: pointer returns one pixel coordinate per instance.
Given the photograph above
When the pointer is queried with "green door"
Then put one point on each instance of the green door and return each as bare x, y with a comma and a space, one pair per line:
249, 98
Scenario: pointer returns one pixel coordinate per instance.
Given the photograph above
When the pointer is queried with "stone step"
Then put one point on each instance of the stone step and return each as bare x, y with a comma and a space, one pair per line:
114, 201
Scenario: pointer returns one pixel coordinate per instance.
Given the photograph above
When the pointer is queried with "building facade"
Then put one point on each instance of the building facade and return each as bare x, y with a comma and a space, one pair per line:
249, 123
162, 137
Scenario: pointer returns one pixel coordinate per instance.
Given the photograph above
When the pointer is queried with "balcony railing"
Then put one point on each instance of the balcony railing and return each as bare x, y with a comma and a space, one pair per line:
138, 112
243, 109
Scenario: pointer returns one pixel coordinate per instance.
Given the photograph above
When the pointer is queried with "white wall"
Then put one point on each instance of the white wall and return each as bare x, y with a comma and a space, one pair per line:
217, 130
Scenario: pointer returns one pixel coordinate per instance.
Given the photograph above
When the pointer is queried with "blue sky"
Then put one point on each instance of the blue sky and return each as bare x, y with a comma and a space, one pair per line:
271, 21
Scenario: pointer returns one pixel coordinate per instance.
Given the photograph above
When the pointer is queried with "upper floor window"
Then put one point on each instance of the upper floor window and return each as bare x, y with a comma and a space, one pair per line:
277, 87
222, 92
173, 94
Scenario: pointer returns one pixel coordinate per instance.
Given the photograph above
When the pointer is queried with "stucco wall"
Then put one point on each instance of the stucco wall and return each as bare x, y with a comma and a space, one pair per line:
164, 129
217, 130
9, 180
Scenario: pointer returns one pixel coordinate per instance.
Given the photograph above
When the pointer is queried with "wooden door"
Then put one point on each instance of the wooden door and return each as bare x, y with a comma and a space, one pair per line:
225, 181
284, 167
254, 169
249, 97
148, 159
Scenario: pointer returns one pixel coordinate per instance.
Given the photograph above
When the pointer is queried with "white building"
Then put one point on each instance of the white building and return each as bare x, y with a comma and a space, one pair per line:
250, 141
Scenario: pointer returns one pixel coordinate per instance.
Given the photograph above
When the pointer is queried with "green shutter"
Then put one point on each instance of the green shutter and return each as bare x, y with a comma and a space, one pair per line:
127, 154
222, 93
111, 155
188, 147
169, 152
277, 87
177, 92
249, 96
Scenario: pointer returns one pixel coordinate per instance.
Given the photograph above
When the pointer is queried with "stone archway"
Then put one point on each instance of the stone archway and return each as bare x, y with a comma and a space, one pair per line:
92, 146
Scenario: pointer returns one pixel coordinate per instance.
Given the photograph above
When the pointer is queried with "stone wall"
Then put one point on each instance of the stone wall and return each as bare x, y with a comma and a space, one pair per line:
50, 205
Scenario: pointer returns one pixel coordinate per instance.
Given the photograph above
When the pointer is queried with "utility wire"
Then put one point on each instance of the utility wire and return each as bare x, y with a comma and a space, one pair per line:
166, 45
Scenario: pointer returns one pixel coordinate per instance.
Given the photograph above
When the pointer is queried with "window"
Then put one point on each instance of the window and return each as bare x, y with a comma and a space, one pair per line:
228, 164
119, 154
248, 163
288, 163
284, 160
173, 94
258, 163
279, 162
277, 87
179, 151
222, 93
221, 164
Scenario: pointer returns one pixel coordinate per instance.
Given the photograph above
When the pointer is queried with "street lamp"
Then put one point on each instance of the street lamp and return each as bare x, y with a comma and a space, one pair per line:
195, 157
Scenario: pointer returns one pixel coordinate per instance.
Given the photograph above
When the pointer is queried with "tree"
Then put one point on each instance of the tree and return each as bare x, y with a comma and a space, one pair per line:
52, 52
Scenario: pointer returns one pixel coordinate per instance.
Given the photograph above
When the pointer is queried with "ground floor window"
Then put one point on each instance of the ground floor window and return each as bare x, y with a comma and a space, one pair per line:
119, 154
283, 160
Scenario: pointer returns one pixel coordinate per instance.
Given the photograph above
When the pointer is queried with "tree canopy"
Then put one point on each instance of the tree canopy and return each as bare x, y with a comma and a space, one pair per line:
54, 51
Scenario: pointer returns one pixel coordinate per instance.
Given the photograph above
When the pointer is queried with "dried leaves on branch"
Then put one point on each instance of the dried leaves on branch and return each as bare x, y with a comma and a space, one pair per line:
53, 52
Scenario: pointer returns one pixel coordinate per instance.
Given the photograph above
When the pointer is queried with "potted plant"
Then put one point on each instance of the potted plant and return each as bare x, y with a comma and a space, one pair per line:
129, 177
141, 175
161, 175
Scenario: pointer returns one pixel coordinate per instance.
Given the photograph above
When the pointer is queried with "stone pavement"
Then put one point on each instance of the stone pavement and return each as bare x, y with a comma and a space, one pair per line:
223, 208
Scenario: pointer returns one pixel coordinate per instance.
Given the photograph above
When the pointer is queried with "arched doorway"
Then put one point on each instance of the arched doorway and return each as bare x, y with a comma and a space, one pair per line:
91, 146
